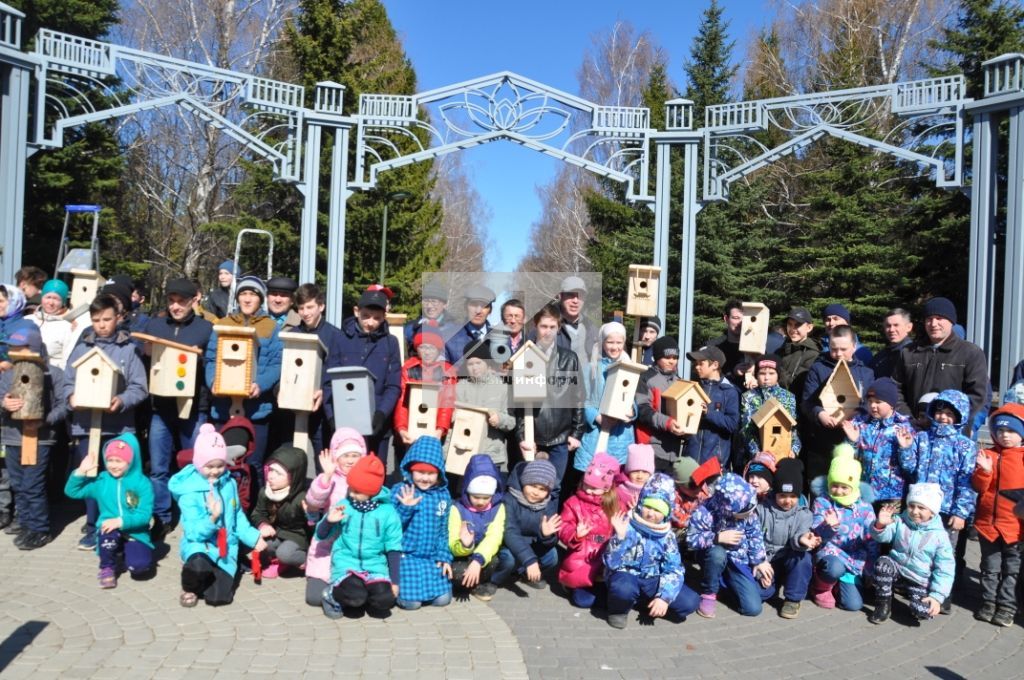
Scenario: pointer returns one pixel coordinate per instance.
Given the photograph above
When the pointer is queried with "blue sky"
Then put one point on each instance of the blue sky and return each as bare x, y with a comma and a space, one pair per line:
451, 41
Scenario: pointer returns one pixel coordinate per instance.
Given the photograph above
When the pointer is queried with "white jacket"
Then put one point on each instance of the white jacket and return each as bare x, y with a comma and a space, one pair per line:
57, 336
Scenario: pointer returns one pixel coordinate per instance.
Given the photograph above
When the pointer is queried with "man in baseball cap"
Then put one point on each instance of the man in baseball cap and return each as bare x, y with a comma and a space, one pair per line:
479, 301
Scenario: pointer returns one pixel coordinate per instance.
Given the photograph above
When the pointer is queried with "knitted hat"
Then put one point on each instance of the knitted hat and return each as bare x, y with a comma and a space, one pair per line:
601, 472
428, 337
640, 457
56, 286
182, 287
347, 440
209, 446
477, 349
886, 390
836, 309
789, 476
665, 346
705, 471
652, 322
610, 328
228, 265
540, 472
120, 449
927, 494
482, 485
761, 470
845, 469
655, 503
366, 476
420, 466
1006, 421
237, 440
251, 283
940, 306
26, 335
683, 469
772, 361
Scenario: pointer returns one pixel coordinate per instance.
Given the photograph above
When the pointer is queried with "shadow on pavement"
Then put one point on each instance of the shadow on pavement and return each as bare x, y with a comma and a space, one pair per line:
18, 640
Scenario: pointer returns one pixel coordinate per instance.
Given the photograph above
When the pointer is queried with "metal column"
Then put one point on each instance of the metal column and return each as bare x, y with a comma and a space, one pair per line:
336, 227
14, 115
691, 206
1013, 279
662, 202
981, 279
310, 206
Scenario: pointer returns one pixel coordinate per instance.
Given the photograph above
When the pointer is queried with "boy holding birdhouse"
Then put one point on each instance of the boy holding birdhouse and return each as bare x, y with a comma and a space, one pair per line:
113, 376
721, 416
482, 387
654, 426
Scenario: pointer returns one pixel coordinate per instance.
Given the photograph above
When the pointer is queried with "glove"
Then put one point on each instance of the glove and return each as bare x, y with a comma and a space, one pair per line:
379, 423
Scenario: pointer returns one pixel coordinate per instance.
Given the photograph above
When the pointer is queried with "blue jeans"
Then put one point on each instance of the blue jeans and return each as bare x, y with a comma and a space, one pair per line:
166, 438
506, 563
558, 455
831, 569
718, 567
793, 569
625, 589
585, 598
28, 482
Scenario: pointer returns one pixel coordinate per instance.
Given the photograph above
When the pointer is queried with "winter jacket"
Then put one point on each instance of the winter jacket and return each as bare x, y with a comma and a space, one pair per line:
440, 373
782, 529
945, 456
718, 425
321, 496
954, 365
455, 345
648, 551
194, 331
132, 387
879, 453
732, 495
190, 489
583, 563
569, 339
268, 350
424, 526
995, 518
522, 522
363, 543
287, 516
852, 542
490, 392
57, 336
652, 424
922, 553
129, 497
818, 441
488, 525
55, 410
884, 363
218, 301
621, 434
561, 414
752, 401
377, 352
797, 359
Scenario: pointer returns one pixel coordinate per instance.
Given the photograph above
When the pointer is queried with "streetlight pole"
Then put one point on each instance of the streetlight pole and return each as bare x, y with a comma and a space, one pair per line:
393, 196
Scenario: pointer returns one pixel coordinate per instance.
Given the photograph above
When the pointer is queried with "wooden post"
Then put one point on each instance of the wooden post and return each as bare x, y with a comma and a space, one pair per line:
602, 439
95, 432
300, 440
528, 433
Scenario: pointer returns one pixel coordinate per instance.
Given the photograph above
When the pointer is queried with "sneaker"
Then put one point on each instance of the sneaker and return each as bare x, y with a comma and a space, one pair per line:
618, 620
707, 606
88, 541
986, 612
30, 540
485, 591
332, 609
14, 528
107, 578
1003, 617
790, 610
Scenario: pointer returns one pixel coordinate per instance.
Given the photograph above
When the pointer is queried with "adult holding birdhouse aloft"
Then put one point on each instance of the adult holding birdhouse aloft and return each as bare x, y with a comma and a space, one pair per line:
611, 339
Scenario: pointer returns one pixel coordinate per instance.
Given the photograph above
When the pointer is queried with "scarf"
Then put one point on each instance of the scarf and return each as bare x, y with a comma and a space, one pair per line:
364, 506
15, 301
536, 507
277, 496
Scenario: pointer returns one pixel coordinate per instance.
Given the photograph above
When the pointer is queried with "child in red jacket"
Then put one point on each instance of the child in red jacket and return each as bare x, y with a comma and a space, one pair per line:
999, 529
427, 366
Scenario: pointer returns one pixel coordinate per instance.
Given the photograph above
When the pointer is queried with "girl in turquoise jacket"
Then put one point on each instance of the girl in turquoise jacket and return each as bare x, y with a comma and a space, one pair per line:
124, 495
213, 523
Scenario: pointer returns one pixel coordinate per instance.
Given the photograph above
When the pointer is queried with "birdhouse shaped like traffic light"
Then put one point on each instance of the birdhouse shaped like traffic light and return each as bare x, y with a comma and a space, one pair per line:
529, 375
683, 402
642, 296
620, 386
302, 366
840, 396
469, 428
96, 380
172, 368
236, 358
27, 384
754, 329
422, 403
775, 426
396, 326
353, 398
85, 283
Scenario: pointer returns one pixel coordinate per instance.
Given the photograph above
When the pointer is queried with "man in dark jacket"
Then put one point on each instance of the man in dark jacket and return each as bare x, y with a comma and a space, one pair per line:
721, 416
734, 366
942, 361
479, 301
896, 327
575, 332
819, 430
799, 352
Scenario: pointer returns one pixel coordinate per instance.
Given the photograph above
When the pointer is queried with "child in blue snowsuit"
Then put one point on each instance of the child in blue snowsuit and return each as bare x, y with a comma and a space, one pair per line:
874, 435
423, 504
642, 558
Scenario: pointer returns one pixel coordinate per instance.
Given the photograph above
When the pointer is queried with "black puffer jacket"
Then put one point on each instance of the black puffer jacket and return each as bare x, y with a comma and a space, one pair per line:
954, 365
287, 515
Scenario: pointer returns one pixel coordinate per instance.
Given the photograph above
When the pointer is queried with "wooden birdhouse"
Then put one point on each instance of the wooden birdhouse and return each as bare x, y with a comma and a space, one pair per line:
85, 284
642, 297
302, 365
683, 402
28, 383
775, 425
529, 375
96, 380
353, 398
754, 329
840, 396
173, 370
469, 429
236, 359
620, 386
423, 399
396, 326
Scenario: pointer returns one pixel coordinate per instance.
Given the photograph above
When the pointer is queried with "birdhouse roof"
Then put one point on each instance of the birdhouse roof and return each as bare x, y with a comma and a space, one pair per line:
644, 270
145, 337
772, 408
397, 319
528, 345
628, 365
25, 355
681, 387
419, 384
310, 339
841, 381
753, 306
234, 330
96, 354
342, 372
462, 406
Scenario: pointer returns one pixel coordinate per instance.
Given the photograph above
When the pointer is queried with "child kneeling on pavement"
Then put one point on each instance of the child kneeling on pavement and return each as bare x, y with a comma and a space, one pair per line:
531, 525
279, 514
476, 528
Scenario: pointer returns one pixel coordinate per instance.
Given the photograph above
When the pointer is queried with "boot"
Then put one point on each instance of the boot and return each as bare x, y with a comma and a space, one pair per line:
821, 593
883, 607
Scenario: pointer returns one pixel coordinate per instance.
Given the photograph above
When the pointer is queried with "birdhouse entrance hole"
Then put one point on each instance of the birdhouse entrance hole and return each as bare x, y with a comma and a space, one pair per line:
298, 361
